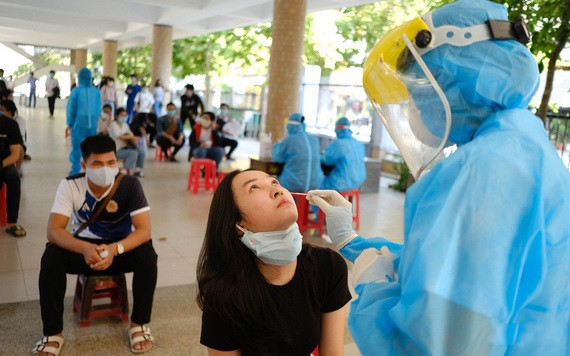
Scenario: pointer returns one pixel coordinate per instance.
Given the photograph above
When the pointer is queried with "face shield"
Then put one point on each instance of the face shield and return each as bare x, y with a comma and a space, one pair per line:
410, 102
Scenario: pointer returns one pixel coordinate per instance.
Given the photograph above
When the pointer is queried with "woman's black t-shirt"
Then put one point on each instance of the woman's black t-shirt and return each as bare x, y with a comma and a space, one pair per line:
319, 286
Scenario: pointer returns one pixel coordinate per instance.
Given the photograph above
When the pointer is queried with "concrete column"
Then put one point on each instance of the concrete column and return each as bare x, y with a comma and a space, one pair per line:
110, 59
162, 56
285, 64
78, 59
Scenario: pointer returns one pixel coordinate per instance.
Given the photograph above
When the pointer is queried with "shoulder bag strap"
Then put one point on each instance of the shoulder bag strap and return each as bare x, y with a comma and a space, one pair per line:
102, 206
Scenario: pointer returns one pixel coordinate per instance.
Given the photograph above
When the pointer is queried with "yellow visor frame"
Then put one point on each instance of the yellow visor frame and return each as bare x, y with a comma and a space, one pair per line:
380, 76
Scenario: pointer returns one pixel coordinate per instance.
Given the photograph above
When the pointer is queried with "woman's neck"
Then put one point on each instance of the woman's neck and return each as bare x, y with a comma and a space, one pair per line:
278, 275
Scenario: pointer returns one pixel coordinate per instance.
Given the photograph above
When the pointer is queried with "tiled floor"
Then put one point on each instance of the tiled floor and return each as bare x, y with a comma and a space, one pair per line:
178, 217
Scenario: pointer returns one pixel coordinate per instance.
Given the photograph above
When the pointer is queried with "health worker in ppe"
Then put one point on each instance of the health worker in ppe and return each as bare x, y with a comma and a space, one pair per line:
83, 110
485, 267
300, 152
346, 155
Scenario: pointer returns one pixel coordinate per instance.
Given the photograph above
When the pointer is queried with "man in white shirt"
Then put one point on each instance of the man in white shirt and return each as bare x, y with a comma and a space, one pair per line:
51, 92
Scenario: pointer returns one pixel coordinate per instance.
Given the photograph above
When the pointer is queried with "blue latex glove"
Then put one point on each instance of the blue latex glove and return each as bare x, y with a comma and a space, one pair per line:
338, 213
373, 266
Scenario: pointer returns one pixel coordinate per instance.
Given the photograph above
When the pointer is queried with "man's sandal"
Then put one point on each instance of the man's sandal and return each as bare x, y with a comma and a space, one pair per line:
146, 336
41, 346
16, 231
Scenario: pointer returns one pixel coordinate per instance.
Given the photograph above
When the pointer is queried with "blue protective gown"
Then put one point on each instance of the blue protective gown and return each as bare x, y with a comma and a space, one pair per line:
347, 156
300, 153
83, 110
485, 269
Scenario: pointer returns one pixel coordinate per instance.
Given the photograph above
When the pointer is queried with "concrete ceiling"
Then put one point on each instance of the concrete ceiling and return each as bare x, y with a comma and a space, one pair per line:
76, 24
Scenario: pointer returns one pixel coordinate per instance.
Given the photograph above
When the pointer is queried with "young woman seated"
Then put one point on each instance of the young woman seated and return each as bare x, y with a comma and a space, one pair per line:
261, 290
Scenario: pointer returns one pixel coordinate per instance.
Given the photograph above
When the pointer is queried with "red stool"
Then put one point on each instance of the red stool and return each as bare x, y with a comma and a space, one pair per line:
353, 196
194, 180
221, 176
3, 211
89, 288
159, 154
304, 209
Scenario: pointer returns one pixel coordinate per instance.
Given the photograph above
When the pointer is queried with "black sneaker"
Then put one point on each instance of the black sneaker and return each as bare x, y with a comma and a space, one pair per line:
139, 174
27, 157
172, 159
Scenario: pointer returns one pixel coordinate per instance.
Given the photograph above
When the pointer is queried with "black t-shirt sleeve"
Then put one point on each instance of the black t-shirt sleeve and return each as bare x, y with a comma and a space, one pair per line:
137, 199
14, 137
337, 292
216, 333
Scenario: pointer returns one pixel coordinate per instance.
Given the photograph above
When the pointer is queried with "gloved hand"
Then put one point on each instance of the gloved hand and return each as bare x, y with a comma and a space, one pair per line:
338, 213
373, 266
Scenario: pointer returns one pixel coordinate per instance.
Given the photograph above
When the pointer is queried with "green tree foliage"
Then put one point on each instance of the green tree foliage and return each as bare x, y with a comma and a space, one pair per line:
134, 61
549, 23
369, 23
220, 52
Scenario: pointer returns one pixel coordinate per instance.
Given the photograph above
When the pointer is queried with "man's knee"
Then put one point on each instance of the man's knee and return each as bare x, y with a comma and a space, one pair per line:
146, 256
52, 255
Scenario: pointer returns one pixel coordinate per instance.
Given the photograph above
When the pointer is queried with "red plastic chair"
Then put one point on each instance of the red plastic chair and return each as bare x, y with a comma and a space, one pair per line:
353, 196
304, 210
159, 154
194, 178
89, 288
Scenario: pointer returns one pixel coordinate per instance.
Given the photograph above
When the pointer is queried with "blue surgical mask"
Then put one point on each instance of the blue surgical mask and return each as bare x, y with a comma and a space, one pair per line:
2, 112
103, 176
277, 248
171, 113
123, 119
224, 112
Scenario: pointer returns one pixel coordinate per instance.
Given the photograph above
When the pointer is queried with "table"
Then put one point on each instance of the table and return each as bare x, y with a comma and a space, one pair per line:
266, 165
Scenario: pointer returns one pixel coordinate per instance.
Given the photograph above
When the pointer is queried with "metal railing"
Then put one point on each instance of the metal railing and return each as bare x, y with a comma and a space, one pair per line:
558, 128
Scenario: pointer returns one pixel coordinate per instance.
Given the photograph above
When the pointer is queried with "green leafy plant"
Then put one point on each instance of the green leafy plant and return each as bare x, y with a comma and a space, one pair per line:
403, 182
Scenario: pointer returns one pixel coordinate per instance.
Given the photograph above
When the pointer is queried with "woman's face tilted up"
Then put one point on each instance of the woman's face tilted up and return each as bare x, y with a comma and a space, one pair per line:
263, 203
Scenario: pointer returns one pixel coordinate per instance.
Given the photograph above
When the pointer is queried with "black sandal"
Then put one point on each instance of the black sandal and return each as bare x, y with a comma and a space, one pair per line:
13, 230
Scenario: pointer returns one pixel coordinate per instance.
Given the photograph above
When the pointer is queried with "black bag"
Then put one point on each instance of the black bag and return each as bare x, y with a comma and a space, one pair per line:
56, 92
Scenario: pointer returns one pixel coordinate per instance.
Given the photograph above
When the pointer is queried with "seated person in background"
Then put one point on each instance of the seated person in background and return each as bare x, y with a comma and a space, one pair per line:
286, 298
127, 144
346, 155
10, 146
205, 141
229, 129
144, 127
8, 109
300, 152
105, 120
116, 242
170, 132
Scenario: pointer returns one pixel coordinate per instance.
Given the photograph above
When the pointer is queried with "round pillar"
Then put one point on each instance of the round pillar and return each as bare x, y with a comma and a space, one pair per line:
110, 59
162, 56
285, 64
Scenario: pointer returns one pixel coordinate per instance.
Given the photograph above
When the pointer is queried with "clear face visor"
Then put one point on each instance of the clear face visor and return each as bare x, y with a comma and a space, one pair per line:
405, 94
408, 99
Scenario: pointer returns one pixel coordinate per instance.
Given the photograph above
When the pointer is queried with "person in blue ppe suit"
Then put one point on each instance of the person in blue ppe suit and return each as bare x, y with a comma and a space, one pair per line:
83, 110
132, 90
484, 267
300, 152
346, 155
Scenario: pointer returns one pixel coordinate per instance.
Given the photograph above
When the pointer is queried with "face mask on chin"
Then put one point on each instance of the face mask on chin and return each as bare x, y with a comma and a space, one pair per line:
277, 248
101, 177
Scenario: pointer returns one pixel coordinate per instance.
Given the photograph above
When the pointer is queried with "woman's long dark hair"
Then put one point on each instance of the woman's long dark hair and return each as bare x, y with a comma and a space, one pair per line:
229, 280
